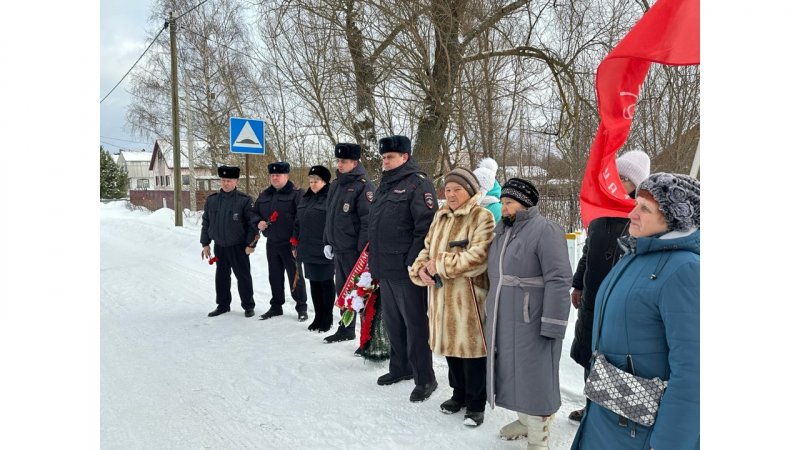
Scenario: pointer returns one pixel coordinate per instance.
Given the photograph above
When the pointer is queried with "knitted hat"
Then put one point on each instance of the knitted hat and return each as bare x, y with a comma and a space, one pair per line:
486, 173
465, 178
634, 165
678, 198
521, 190
397, 143
278, 167
344, 150
322, 172
231, 172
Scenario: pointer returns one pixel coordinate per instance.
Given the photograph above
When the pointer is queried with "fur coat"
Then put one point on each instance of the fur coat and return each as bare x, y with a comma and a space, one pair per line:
454, 321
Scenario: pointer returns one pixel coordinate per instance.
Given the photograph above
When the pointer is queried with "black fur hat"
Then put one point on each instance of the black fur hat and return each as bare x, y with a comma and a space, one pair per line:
231, 172
344, 150
322, 172
279, 167
397, 143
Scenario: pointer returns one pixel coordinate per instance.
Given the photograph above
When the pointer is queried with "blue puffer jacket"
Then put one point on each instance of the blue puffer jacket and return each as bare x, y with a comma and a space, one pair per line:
651, 302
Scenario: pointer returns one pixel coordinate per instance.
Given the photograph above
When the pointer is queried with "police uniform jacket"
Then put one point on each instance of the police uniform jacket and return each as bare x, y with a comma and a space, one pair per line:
311, 225
228, 219
285, 201
399, 219
349, 201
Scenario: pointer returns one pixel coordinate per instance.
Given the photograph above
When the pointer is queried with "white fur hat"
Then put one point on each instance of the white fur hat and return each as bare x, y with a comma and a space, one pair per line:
486, 173
634, 165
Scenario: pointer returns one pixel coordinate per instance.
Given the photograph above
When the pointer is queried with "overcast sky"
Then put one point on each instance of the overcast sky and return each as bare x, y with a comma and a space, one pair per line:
125, 32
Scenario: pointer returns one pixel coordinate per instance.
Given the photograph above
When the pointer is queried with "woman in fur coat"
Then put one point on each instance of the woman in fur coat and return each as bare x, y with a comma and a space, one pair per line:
456, 248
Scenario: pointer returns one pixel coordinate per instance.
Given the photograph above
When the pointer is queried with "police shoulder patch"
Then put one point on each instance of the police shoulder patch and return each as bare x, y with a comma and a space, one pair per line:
429, 200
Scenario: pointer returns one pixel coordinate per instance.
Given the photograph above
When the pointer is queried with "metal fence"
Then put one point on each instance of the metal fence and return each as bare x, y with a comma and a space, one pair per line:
563, 209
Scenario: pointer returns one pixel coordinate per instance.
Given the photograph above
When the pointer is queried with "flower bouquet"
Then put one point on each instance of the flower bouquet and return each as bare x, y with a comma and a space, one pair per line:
361, 294
359, 289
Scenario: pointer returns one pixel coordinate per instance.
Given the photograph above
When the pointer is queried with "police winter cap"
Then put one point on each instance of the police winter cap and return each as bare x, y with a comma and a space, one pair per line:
322, 172
279, 167
228, 172
397, 143
344, 150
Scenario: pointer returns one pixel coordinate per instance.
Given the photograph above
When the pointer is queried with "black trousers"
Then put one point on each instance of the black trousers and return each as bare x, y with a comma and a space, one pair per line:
344, 263
468, 380
233, 258
405, 315
280, 261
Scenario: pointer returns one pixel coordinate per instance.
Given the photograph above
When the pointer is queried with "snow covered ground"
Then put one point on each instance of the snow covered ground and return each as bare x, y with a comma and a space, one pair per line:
171, 377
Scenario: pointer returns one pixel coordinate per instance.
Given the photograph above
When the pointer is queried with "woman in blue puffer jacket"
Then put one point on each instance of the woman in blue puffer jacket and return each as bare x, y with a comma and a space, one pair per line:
647, 314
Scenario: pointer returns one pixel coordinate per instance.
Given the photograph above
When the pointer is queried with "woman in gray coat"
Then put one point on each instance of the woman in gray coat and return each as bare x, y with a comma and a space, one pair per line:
526, 313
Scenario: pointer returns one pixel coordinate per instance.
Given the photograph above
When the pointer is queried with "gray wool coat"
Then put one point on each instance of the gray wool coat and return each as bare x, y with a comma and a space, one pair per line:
527, 310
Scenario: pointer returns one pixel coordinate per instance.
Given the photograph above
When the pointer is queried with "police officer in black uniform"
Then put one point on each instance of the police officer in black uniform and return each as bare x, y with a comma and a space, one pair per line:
310, 230
346, 223
281, 197
228, 220
399, 219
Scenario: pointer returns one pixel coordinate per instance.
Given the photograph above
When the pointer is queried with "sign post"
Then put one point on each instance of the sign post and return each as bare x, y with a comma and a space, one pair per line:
247, 136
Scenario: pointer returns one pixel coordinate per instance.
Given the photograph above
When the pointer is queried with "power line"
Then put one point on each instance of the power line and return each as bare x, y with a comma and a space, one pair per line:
215, 42
137, 61
120, 139
195, 7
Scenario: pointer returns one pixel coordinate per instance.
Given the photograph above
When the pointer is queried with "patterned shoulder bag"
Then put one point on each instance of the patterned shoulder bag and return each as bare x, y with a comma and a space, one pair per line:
632, 397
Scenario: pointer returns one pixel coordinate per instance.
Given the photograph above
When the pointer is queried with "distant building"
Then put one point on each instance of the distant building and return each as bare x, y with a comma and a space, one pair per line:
136, 165
161, 166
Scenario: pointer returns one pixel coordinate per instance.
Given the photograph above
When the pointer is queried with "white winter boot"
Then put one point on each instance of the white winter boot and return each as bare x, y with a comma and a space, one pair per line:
515, 430
538, 431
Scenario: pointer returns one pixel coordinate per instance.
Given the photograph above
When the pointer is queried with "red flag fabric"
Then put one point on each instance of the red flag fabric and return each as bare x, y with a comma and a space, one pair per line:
668, 33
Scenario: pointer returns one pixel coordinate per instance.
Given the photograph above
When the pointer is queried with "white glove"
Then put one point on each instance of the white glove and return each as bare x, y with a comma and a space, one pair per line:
328, 250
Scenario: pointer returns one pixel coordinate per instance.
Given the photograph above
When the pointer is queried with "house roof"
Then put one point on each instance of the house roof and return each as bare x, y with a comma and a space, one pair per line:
140, 156
200, 150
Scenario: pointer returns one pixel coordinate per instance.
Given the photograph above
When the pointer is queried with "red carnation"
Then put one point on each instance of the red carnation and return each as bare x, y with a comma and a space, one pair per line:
274, 216
293, 241
361, 292
212, 260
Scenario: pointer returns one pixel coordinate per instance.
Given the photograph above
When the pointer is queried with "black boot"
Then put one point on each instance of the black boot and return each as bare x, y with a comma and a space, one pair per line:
219, 310
316, 291
422, 392
326, 309
342, 334
272, 312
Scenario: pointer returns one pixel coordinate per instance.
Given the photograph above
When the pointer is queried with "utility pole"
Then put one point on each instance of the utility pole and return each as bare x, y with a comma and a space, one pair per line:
176, 130
190, 144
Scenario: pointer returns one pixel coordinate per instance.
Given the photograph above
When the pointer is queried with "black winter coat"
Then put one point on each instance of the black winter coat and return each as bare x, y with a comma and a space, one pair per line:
228, 219
311, 225
349, 203
285, 201
600, 252
399, 219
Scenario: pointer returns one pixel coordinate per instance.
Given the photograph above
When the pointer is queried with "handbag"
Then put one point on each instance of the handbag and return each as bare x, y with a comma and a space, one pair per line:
628, 395
632, 397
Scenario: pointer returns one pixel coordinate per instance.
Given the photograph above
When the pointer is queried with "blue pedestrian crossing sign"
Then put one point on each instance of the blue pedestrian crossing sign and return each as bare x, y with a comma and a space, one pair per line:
247, 136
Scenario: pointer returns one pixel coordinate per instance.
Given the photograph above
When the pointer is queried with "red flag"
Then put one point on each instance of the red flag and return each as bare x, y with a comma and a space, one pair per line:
668, 33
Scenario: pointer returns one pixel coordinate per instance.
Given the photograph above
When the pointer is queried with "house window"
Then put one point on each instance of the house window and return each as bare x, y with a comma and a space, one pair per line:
185, 180
143, 183
166, 178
